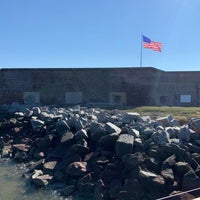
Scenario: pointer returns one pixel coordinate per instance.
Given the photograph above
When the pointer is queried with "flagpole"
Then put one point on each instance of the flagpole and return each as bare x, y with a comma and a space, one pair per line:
141, 52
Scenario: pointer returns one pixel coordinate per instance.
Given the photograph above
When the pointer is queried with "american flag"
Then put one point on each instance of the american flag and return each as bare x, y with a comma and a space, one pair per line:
147, 43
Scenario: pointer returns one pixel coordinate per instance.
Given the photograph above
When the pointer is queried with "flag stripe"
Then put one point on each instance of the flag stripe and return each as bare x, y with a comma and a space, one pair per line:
147, 43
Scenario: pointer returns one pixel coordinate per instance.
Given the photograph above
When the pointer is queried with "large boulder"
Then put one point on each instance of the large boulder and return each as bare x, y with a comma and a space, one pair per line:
132, 161
124, 145
109, 140
37, 124
112, 128
129, 117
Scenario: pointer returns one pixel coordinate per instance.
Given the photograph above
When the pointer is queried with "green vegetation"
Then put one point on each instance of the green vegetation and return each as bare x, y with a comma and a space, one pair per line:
182, 114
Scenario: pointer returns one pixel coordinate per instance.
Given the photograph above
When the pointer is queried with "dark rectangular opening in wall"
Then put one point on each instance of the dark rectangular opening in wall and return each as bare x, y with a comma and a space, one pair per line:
116, 99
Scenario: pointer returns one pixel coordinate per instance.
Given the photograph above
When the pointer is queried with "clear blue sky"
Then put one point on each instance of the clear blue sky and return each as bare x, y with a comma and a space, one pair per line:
99, 33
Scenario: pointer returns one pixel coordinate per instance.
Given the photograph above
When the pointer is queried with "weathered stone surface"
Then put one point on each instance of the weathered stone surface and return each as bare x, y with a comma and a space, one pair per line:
49, 167
152, 182
62, 127
42, 180
134, 132
195, 124
160, 137
110, 172
132, 160
184, 134
81, 134
96, 131
129, 117
37, 124
124, 144
67, 138
109, 140
36, 173
168, 174
6, 151
169, 162
43, 143
112, 128
77, 169
190, 180
28, 113
181, 168
36, 111
167, 121
21, 147
104, 153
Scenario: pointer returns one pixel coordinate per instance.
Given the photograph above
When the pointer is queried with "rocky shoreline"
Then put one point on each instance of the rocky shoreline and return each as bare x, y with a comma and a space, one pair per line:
102, 154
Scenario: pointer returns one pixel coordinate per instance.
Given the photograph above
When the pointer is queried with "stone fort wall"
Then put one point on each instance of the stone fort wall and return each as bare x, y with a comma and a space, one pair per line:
134, 86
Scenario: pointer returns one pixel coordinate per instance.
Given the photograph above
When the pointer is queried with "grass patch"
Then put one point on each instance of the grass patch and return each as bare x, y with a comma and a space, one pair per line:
182, 114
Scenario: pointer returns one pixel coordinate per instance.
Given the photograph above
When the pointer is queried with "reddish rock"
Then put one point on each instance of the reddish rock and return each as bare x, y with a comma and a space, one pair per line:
77, 169
21, 147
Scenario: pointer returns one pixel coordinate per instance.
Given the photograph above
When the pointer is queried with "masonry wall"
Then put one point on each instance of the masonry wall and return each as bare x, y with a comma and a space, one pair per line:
124, 86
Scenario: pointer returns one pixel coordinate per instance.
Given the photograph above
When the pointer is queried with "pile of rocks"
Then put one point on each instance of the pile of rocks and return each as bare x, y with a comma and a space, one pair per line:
103, 154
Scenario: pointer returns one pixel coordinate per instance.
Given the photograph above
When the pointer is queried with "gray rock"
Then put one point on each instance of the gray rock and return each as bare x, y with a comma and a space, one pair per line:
67, 138
184, 134
132, 160
193, 148
147, 132
138, 145
153, 183
36, 111
129, 117
62, 127
169, 162
28, 113
44, 143
160, 137
181, 168
42, 180
37, 124
190, 180
81, 134
110, 172
109, 140
196, 156
75, 123
168, 174
111, 128
195, 124
96, 131
167, 121
124, 144
134, 132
